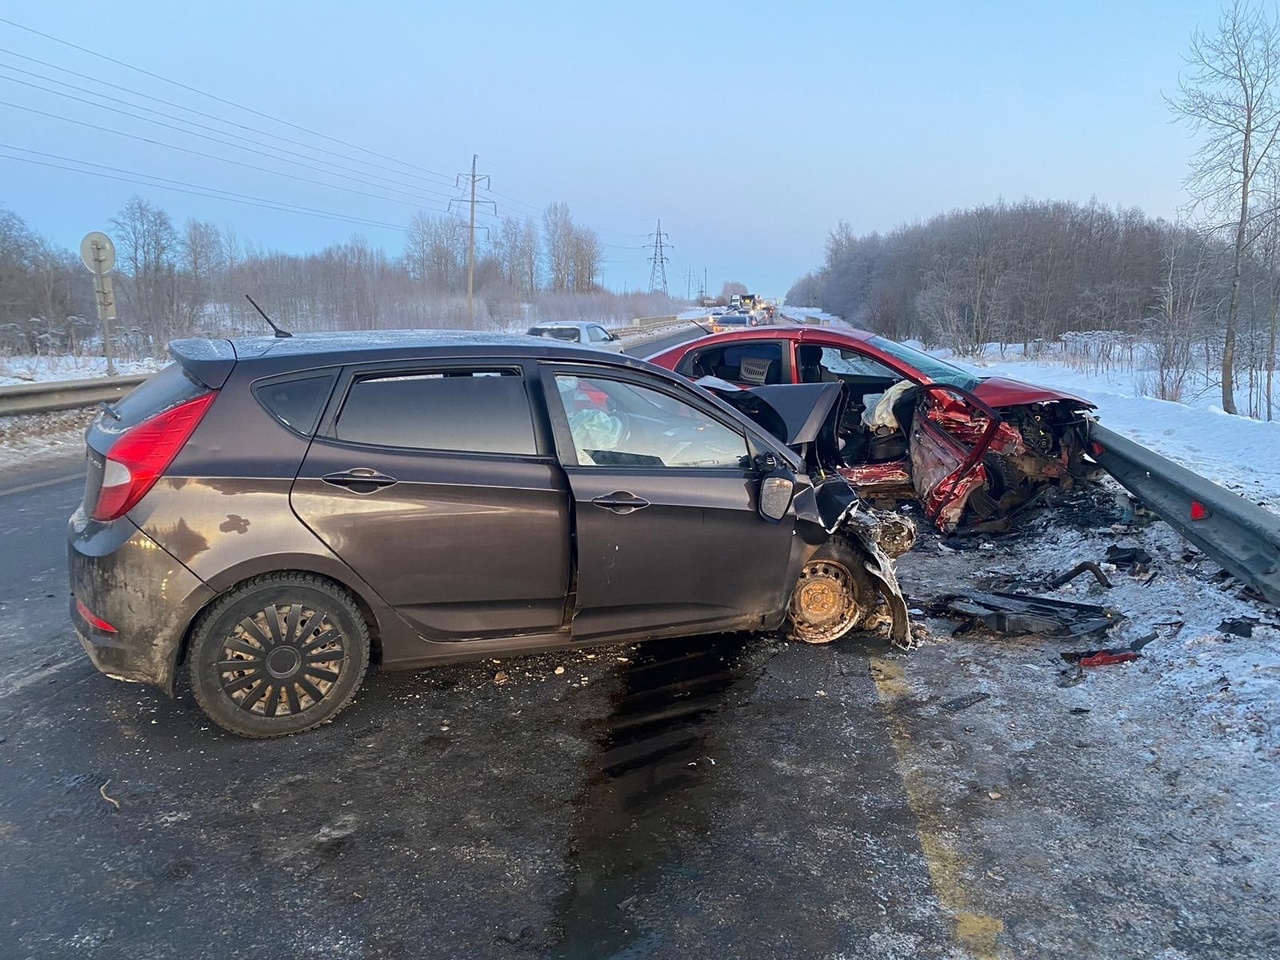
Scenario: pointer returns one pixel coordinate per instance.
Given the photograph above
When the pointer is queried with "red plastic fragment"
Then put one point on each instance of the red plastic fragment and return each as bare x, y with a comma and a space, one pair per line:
1104, 658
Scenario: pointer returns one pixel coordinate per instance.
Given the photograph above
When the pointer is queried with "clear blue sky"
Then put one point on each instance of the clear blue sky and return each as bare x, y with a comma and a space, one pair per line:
750, 129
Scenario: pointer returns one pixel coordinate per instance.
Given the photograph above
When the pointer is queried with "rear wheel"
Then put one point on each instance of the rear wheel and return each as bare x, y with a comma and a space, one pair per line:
833, 595
279, 654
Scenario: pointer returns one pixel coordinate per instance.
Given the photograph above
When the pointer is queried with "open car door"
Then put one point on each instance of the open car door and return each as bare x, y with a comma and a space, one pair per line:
949, 433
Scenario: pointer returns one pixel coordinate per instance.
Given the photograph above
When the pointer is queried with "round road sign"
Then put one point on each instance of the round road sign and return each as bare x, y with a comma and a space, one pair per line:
98, 252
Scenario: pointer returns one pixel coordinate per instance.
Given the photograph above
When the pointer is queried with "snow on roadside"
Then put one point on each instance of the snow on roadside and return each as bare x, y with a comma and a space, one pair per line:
40, 369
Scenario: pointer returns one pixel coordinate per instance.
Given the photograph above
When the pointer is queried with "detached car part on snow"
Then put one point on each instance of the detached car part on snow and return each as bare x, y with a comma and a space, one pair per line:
276, 513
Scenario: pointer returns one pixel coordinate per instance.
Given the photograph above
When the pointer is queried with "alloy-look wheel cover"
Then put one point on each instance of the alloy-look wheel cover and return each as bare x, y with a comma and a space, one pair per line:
282, 660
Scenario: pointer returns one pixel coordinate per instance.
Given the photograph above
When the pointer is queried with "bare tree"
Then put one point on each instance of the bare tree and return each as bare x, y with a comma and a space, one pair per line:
1231, 94
148, 247
557, 230
585, 256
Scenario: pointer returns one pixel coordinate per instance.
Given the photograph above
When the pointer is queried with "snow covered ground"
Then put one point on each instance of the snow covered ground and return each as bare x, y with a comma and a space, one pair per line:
39, 369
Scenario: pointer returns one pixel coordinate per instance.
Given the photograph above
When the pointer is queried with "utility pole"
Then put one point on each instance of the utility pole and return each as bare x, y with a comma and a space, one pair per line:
471, 233
658, 261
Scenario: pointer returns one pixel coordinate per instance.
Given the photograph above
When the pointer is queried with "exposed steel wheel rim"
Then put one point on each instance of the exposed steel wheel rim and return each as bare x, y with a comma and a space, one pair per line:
282, 660
824, 604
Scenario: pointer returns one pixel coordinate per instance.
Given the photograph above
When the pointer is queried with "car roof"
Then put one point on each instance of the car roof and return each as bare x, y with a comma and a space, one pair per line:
210, 359
564, 323
783, 332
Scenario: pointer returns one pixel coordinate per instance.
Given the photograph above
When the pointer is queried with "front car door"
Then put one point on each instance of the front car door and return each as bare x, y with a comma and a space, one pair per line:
667, 534
435, 484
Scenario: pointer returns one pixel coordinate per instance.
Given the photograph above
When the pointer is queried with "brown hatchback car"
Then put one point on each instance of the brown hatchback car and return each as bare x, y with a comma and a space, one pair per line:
277, 513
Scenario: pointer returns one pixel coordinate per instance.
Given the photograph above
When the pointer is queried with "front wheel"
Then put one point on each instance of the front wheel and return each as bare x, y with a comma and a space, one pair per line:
279, 654
832, 596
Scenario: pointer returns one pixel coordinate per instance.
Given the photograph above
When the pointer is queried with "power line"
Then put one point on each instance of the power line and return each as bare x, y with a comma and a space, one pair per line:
199, 153
202, 136
230, 103
197, 190
201, 113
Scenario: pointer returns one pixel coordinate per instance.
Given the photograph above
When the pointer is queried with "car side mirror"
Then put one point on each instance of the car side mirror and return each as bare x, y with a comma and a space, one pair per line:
776, 491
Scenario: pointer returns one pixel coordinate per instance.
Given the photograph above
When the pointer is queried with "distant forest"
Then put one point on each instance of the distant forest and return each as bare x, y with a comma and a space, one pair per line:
1040, 272
178, 279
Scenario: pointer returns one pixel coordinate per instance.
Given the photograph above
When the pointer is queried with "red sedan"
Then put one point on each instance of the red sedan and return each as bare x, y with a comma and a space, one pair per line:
969, 448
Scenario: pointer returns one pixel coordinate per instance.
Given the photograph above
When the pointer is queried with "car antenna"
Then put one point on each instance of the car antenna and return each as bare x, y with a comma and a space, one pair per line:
280, 333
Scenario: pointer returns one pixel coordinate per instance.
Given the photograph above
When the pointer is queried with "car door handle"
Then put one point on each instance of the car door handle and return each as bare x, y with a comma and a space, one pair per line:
360, 480
621, 502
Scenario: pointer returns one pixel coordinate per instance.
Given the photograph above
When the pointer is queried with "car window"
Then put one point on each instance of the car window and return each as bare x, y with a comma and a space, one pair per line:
937, 370
617, 424
296, 402
466, 410
841, 361
755, 364
598, 334
559, 333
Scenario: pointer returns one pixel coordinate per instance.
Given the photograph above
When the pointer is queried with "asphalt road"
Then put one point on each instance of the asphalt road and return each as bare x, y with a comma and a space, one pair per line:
722, 796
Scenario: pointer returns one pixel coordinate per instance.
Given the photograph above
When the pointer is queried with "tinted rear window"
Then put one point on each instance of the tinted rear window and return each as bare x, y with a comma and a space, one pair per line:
296, 403
471, 411
559, 333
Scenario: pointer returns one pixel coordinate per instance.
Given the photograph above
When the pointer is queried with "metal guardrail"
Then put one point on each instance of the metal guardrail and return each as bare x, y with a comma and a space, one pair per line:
1239, 536
64, 394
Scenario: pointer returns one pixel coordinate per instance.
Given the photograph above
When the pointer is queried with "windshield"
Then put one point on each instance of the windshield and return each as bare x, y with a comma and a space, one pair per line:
939, 371
560, 333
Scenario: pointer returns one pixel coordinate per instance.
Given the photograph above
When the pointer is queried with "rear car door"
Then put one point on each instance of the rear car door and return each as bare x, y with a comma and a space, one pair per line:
666, 528
434, 483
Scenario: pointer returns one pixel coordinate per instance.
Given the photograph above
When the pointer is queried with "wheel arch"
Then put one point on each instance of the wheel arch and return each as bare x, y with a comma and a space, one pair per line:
371, 607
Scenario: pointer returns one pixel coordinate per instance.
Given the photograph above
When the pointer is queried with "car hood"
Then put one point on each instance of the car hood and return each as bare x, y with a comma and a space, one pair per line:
792, 412
1002, 392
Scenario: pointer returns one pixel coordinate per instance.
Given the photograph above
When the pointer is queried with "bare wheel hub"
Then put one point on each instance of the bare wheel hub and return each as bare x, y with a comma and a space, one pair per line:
825, 603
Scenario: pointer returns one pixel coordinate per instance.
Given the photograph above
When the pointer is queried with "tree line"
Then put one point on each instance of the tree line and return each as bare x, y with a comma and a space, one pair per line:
180, 279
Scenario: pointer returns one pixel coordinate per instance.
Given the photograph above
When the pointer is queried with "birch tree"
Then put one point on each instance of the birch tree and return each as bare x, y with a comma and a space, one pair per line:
1230, 94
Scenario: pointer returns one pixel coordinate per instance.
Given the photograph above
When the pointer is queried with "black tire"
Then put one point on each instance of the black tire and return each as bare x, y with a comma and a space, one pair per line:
833, 596
305, 648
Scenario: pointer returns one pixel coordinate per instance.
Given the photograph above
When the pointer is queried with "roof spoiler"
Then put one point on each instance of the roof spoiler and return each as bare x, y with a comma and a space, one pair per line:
207, 361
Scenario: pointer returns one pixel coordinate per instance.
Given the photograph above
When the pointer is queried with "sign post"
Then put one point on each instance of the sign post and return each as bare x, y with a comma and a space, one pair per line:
99, 255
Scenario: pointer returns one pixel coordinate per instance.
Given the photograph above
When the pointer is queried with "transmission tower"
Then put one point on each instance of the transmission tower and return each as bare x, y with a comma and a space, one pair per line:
658, 261
472, 179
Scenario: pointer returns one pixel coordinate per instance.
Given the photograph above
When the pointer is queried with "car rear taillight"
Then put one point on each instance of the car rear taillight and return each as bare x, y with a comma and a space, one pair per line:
142, 455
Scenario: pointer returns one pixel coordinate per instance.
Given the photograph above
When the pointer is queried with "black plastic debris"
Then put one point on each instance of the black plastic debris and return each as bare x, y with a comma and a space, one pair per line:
1126, 557
965, 702
1087, 567
1016, 613
1238, 626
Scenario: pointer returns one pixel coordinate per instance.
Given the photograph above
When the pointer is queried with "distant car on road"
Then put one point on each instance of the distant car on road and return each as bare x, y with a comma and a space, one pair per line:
274, 514
575, 331
732, 320
983, 446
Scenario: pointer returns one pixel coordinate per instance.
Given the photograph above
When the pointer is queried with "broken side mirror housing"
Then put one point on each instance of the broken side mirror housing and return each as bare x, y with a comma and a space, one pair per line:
776, 491
765, 462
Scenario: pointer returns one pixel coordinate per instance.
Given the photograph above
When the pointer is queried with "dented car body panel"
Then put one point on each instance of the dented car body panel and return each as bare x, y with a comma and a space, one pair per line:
303, 461
1007, 440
